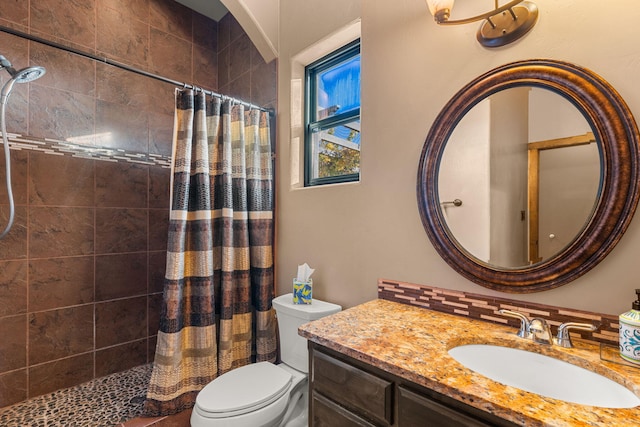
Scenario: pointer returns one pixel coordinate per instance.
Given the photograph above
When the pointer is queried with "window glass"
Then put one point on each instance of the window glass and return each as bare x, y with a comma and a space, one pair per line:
337, 150
338, 89
332, 141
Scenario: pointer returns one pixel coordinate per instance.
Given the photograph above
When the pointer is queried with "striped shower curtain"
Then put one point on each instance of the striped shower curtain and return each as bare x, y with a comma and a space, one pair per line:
216, 311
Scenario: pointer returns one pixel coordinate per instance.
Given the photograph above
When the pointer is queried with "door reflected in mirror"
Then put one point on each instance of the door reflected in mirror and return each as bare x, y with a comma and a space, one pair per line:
527, 168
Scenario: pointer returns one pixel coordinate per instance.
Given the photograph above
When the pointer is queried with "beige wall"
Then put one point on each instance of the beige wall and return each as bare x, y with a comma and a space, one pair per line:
411, 67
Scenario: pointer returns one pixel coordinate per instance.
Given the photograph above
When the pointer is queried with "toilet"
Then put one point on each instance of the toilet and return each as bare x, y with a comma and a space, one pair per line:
263, 394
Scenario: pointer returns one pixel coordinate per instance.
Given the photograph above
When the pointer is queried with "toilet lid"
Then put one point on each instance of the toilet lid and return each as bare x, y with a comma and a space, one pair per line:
244, 389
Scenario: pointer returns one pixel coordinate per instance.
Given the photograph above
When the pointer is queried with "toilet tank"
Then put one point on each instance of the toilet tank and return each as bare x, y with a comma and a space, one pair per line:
293, 347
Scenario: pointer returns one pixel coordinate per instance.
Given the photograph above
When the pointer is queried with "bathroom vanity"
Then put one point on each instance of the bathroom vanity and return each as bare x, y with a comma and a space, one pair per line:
383, 363
347, 392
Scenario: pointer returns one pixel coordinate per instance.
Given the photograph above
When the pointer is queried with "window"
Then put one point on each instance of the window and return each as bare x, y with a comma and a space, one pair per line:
332, 114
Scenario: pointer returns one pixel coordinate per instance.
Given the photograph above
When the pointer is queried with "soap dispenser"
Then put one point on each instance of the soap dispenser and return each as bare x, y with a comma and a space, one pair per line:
630, 332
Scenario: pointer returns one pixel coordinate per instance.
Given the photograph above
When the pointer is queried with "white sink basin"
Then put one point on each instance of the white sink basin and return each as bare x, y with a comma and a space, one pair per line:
544, 375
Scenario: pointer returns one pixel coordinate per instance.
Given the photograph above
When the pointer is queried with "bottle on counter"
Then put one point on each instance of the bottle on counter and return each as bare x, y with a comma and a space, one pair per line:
630, 332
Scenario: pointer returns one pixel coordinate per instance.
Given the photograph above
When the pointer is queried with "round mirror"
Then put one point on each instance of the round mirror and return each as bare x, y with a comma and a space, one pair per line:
528, 177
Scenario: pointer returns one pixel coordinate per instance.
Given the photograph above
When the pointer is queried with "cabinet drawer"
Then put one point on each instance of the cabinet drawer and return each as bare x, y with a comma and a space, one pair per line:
415, 410
329, 414
357, 390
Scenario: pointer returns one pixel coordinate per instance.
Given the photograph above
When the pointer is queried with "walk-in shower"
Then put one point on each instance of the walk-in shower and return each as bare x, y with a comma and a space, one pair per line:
25, 75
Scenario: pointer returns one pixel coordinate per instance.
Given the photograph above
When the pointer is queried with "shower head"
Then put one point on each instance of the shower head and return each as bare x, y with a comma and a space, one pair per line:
25, 75
28, 74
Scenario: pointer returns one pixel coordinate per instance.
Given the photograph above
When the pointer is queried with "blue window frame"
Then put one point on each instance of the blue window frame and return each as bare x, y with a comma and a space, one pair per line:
332, 114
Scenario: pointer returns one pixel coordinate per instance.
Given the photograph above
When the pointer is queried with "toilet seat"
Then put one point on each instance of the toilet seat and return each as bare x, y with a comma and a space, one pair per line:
243, 390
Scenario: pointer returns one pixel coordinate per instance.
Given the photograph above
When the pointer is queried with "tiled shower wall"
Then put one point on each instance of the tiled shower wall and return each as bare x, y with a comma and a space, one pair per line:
81, 271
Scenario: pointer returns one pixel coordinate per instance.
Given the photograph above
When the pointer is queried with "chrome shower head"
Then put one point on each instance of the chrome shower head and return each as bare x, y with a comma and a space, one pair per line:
25, 75
28, 74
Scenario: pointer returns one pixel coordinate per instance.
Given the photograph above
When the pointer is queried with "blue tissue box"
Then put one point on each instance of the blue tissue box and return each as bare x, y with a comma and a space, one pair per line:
302, 291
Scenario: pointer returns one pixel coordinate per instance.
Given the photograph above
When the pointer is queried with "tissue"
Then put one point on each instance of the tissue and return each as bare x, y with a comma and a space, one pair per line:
303, 285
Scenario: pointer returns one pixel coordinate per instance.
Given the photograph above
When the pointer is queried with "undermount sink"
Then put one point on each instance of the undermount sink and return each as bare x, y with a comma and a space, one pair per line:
544, 375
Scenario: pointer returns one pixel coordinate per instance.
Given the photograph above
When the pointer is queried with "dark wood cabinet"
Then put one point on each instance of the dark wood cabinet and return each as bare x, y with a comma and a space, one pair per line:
346, 392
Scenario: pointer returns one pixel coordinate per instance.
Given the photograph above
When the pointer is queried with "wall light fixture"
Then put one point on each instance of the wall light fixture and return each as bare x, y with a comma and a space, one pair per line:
503, 25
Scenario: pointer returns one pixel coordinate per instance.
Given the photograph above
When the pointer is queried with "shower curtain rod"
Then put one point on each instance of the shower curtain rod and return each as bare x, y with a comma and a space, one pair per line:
129, 68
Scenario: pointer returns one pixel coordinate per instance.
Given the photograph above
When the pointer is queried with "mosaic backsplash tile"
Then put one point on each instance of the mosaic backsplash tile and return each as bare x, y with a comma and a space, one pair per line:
482, 307
65, 148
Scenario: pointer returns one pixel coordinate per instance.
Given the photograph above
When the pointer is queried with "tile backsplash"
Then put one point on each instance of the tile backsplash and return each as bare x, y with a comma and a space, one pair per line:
482, 307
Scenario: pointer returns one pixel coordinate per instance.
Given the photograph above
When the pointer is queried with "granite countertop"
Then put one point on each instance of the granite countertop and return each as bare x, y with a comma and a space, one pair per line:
412, 343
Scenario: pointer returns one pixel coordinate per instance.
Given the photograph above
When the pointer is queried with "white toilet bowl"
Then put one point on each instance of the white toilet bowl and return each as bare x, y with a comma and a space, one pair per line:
251, 396
263, 394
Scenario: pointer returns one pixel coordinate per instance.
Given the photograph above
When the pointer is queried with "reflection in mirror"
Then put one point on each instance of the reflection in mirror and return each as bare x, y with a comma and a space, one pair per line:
527, 167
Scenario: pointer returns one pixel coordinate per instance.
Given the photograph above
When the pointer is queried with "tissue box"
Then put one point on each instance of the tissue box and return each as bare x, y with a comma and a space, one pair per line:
302, 291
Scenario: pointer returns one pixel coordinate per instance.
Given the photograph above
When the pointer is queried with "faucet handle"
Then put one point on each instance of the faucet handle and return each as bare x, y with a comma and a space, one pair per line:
523, 332
564, 340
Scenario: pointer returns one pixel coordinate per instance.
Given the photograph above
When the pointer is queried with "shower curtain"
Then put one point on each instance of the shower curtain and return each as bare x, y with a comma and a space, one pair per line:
218, 287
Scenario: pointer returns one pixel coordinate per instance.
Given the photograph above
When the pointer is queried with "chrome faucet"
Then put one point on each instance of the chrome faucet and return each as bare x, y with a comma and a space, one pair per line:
540, 331
563, 339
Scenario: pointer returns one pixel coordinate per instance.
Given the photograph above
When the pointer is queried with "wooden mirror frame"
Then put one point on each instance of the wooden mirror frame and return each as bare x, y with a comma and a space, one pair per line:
617, 134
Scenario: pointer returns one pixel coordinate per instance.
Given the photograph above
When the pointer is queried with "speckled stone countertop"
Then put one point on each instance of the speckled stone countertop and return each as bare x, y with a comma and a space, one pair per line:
412, 343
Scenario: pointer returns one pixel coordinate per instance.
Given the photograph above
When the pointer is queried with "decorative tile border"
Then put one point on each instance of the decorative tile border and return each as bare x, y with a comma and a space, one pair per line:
66, 148
482, 307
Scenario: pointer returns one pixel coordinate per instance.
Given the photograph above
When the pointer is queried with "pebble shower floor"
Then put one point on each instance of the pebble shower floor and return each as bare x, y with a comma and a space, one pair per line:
103, 402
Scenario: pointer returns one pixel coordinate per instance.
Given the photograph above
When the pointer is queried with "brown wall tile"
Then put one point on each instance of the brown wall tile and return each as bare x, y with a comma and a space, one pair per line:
263, 93
205, 67
60, 282
159, 188
120, 321
151, 348
119, 276
19, 165
160, 134
157, 267
13, 387
13, 288
138, 9
158, 229
73, 21
13, 344
122, 87
170, 56
162, 98
14, 244
65, 70
121, 357
239, 56
224, 56
60, 232
121, 230
59, 374
122, 185
60, 333
71, 185
155, 308
16, 11
205, 32
60, 114
126, 127
122, 35
172, 18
